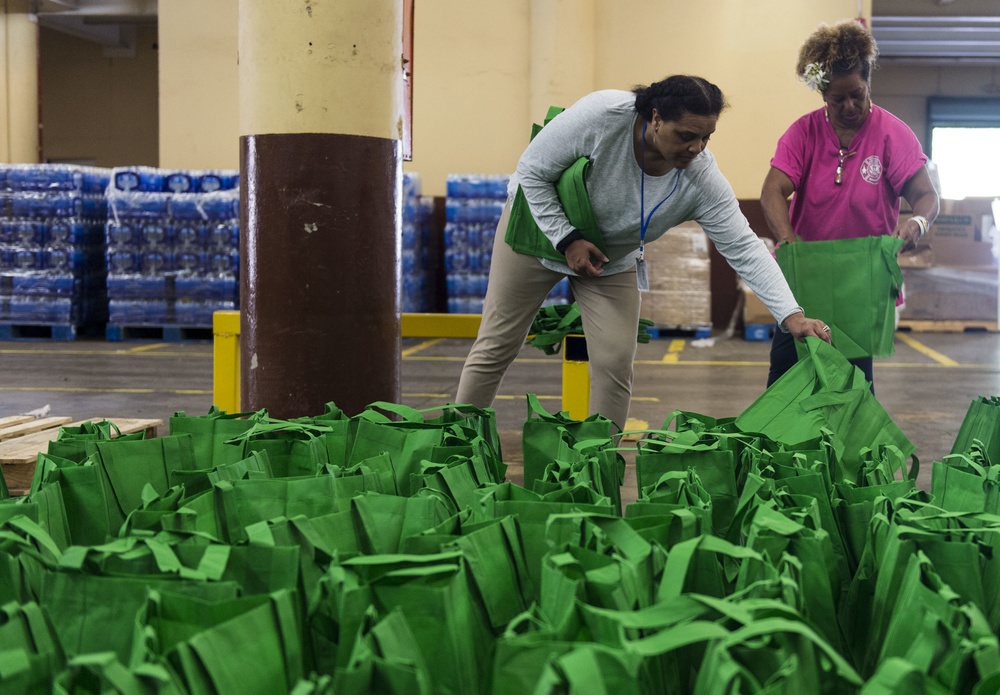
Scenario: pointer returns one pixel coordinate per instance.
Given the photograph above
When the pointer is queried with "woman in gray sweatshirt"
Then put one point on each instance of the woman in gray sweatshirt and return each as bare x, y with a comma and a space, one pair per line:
649, 171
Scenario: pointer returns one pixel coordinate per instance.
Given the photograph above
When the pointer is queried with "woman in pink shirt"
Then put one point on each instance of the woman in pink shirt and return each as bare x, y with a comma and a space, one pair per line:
847, 164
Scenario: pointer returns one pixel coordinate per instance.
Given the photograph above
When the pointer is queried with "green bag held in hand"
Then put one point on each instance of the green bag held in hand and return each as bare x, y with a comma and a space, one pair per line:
522, 233
852, 284
824, 391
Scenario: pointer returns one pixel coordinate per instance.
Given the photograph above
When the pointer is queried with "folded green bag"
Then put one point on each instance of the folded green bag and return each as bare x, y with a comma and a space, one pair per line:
523, 234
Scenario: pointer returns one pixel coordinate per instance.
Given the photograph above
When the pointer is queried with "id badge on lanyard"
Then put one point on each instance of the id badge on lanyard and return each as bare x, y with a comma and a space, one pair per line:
641, 268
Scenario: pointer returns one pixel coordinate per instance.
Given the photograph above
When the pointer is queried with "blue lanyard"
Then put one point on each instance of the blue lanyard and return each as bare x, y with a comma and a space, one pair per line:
643, 220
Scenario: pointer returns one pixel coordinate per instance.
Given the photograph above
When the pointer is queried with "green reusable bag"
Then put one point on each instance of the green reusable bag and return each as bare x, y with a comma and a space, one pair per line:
206, 641
982, 423
676, 508
522, 233
715, 466
104, 673
127, 466
27, 552
97, 614
211, 434
382, 523
412, 437
774, 535
461, 425
374, 474
934, 629
591, 668
533, 511
72, 442
966, 482
456, 480
705, 565
852, 284
541, 436
824, 393
240, 503
84, 494
30, 652
434, 594
386, 658
598, 560
897, 676
294, 449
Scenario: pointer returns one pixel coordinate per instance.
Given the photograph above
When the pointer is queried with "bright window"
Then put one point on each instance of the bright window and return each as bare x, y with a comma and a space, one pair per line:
968, 161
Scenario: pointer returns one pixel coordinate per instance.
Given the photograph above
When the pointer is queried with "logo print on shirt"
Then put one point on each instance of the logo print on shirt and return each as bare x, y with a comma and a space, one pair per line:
871, 169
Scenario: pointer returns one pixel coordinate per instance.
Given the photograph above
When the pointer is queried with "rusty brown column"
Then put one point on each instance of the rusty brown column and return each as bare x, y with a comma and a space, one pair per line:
320, 161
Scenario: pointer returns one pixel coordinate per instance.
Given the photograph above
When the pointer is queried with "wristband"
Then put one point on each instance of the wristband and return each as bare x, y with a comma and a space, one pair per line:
922, 223
564, 243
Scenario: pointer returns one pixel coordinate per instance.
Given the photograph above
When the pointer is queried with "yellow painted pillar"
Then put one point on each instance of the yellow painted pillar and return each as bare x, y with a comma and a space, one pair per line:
19, 134
562, 53
198, 80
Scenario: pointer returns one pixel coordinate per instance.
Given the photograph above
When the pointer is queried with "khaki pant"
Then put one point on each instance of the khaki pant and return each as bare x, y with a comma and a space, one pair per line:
518, 284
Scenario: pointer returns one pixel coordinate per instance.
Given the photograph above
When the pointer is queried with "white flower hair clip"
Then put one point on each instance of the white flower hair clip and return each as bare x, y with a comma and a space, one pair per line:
815, 76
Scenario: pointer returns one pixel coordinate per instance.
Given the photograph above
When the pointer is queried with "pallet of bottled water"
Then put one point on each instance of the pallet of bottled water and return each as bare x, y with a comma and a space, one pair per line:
52, 272
172, 250
416, 262
473, 207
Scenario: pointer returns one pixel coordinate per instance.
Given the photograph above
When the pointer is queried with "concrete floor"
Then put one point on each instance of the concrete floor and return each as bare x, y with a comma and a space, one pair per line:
925, 387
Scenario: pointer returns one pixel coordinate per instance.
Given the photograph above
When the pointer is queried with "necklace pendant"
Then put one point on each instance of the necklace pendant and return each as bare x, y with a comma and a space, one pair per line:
840, 171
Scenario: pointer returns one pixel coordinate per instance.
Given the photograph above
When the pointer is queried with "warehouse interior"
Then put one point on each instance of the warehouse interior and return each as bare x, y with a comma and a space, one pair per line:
147, 103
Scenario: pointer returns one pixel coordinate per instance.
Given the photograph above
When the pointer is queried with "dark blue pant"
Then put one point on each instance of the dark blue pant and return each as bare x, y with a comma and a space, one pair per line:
783, 356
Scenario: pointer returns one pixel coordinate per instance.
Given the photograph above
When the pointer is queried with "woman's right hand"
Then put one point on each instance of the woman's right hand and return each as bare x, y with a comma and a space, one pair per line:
584, 258
801, 327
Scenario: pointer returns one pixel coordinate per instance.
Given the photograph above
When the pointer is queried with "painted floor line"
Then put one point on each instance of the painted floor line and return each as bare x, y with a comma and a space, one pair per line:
421, 346
924, 350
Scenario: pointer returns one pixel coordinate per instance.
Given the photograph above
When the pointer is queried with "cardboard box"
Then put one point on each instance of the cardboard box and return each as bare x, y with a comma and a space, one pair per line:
680, 278
754, 311
950, 293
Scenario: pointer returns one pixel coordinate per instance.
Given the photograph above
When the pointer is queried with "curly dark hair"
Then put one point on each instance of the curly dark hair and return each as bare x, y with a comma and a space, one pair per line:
676, 95
844, 48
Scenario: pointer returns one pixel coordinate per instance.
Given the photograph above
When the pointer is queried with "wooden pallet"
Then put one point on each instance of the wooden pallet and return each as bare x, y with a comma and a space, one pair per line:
946, 326
23, 437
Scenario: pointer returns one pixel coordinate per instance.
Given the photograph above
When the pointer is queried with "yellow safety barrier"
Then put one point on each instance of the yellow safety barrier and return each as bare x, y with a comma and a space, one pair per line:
226, 330
575, 377
226, 360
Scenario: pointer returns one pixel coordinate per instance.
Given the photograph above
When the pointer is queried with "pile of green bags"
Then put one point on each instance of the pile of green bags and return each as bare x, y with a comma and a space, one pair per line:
786, 550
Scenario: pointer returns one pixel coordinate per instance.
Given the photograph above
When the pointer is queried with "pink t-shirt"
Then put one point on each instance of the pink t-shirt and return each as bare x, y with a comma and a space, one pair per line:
886, 154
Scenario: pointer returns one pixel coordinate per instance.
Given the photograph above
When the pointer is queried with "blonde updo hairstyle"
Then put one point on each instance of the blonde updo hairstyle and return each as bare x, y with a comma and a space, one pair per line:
840, 49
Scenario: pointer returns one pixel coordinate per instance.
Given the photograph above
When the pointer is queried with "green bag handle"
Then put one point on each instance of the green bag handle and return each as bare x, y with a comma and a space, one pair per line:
680, 556
34, 532
890, 247
537, 412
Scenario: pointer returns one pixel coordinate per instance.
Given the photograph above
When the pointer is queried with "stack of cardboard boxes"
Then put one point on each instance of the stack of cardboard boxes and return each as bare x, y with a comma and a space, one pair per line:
953, 273
680, 288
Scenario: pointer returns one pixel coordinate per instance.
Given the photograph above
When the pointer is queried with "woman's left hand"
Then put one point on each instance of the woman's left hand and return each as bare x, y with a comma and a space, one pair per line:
910, 232
801, 327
